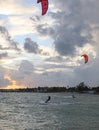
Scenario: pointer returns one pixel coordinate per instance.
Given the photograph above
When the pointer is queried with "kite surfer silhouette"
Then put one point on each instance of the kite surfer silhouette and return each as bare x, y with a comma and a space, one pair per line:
49, 98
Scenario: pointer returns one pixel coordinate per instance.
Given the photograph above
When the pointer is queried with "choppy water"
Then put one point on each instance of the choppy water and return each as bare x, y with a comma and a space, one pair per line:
26, 111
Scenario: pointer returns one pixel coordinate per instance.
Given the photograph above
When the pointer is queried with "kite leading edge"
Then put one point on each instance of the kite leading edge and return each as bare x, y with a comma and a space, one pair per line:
44, 4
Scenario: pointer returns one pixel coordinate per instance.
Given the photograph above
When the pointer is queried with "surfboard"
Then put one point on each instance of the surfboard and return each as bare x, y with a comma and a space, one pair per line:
43, 103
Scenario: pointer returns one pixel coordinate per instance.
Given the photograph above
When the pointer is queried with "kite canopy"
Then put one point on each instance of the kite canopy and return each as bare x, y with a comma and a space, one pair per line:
44, 4
85, 57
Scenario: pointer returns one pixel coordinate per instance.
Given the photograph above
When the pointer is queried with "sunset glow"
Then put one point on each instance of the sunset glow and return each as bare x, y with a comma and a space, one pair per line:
13, 83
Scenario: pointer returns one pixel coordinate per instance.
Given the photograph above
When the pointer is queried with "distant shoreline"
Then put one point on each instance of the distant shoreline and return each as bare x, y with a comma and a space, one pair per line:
94, 90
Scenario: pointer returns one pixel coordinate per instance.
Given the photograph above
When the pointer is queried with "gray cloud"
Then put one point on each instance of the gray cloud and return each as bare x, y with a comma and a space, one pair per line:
70, 33
68, 38
2, 55
24, 75
76, 29
55, 59
12, 44
43, 29
35, 19
88, 73
58, 62
4, 48
31, 46
4, 32
26, 67
90, 9
3, 81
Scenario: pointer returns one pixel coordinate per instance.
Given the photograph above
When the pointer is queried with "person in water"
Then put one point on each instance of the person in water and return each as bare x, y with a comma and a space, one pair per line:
49, 98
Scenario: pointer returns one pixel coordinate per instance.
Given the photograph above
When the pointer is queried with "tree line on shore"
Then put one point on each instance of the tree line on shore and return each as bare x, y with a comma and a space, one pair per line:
81, 88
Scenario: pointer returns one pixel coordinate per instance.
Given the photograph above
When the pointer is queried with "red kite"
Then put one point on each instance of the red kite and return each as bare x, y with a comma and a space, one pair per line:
85, 57
44, 4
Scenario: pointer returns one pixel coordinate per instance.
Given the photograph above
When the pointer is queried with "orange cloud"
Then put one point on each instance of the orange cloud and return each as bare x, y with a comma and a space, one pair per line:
13, 83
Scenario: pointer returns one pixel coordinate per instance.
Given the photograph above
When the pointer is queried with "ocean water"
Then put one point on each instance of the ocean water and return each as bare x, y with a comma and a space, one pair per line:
27, 111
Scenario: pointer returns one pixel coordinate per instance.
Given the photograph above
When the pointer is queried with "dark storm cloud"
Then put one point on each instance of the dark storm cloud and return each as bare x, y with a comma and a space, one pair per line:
12, 44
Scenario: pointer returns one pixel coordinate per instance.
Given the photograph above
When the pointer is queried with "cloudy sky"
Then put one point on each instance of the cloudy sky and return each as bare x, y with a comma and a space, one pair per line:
38, 50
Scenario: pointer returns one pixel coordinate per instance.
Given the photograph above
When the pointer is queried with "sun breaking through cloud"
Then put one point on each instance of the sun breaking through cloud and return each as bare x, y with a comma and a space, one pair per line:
13, 83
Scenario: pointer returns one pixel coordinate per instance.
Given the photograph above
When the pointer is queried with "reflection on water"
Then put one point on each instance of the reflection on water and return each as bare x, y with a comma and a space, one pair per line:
27, 111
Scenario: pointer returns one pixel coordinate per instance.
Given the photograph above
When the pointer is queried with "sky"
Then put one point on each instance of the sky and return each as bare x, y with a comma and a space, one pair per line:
46, 50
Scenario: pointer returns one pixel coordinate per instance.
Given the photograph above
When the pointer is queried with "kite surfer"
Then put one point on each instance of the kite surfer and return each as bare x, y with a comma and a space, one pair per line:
49, 98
